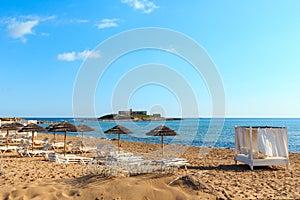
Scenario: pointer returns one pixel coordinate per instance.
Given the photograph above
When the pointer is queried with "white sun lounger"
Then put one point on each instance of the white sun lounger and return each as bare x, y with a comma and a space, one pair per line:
43, 141
173, 162
4, 149
31, 153
68, 159
80, 147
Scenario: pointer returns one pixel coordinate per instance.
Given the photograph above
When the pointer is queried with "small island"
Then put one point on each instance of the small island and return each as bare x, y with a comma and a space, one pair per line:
131, 115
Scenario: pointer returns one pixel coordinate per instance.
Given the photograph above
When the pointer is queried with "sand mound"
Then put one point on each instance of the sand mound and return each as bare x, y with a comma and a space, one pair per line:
93, 187
39, 191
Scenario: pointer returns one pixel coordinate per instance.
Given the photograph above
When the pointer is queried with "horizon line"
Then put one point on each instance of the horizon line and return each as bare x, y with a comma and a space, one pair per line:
225, 117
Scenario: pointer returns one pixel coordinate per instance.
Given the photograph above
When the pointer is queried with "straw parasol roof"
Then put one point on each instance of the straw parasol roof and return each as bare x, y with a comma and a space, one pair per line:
15, 126
162, 131
50, 128
11, 126
32, 128
118, 129
63, 127
84, 128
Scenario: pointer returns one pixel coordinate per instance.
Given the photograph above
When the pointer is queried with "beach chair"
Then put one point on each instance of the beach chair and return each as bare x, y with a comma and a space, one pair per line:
68, 159
19, 139
176, 162
112, 151
80, 147
56, 145
31, 153
53, 157
41, 142
73, 159
9, 148
69, 146
21, 147
100, 150
4, 149
100, 154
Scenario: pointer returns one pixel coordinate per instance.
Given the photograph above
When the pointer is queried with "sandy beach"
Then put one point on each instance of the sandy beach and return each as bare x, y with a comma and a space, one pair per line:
208, 176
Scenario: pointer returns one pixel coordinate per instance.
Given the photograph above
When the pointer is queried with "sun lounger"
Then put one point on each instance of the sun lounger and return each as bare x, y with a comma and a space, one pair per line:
31, 153
58, 145
80, 147
16, 140
68, 159
4, 149
41, 142
176, 162
105, 153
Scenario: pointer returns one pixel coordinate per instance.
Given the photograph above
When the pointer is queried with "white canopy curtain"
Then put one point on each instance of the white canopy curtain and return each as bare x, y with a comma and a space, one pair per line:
271, 142
243, 141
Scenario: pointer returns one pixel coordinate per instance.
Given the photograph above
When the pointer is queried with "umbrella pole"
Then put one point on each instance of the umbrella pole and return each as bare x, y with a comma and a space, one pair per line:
32, 140
118, 141
65, 138
162, 144
82, 135
7, 132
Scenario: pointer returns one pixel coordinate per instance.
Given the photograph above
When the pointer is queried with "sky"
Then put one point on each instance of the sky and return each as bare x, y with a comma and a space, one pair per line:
254, 46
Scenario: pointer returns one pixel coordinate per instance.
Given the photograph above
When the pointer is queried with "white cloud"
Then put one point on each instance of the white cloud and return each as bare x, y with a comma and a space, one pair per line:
72, 56
18, 30
42, 19
144, 6
67, 56
74, 21
24, 25
107, 23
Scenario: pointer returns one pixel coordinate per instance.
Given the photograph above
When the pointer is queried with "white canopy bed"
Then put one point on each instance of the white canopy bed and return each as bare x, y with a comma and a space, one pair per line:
261, 146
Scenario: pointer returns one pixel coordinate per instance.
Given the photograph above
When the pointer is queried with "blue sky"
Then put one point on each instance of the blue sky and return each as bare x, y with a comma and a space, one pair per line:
255, 46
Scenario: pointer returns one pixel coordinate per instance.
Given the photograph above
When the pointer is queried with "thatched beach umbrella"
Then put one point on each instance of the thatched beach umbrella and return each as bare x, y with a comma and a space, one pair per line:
162, 131
32, 128
118, 129
50, 128
84, 128
63, 127
15, 126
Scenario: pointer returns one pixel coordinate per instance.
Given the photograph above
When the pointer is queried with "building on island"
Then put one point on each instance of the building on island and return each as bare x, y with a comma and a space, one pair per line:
130, 112
156, 115
125, 113
139, 113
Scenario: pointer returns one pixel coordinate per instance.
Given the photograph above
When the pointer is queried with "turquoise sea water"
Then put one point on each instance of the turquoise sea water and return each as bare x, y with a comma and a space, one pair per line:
191, 131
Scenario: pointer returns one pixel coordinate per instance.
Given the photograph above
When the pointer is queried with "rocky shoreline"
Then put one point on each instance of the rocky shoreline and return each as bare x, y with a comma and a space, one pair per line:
116, 117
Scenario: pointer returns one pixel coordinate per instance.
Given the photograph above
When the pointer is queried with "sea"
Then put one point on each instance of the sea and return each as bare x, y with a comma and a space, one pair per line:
206, 132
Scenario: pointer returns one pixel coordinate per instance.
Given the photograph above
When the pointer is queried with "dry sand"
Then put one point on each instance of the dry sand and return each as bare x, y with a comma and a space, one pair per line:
209, 176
